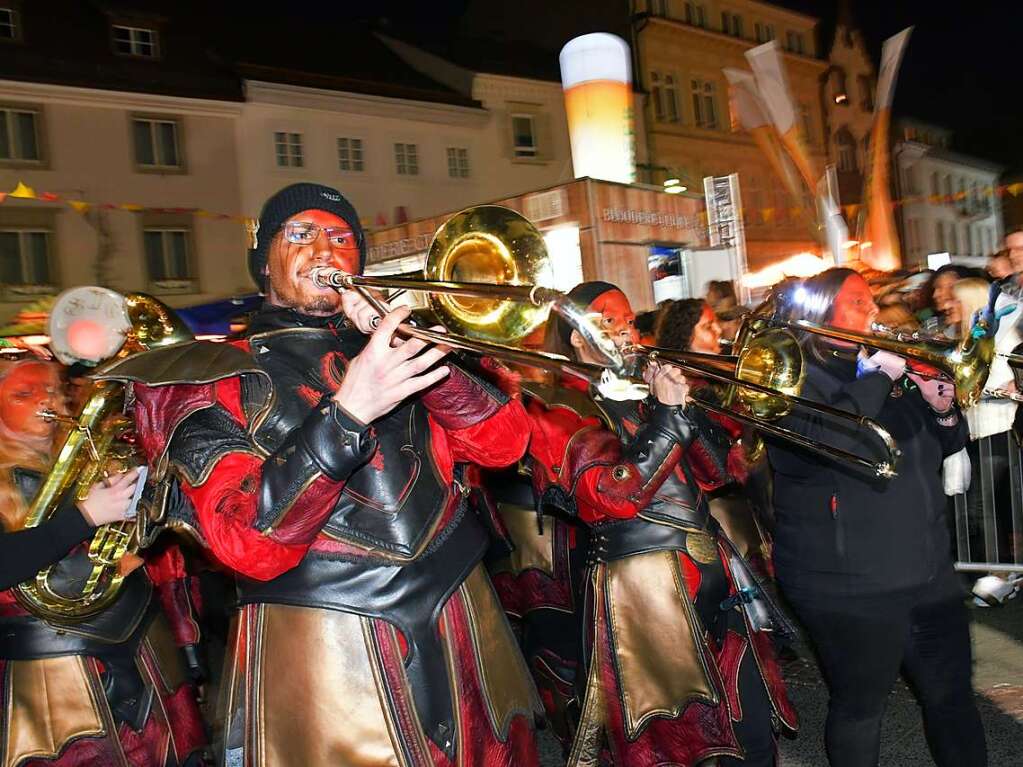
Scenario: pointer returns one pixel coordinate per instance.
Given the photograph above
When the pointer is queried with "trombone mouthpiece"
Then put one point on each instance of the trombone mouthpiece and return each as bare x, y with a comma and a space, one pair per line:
324, 277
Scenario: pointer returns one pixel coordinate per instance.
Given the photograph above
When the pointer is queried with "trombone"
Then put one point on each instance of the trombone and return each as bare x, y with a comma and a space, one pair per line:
965, 362
481, 279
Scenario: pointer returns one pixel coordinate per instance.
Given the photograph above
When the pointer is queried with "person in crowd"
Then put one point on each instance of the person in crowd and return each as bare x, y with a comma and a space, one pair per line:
685, 673
999, 265
324, 455
863, 560
725, 304
690, 325
110, 689
939, 297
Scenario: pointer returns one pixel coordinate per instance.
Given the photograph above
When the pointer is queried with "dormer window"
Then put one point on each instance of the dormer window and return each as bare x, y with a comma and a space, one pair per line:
136, 41
9, 24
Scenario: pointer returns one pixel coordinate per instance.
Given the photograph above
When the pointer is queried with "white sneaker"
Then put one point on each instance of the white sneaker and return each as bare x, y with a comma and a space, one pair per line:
993, 590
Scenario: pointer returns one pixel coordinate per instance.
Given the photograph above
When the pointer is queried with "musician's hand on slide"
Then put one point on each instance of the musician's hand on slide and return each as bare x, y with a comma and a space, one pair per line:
359, 311
939, 393
108, 499
386, 372
892, 365
667, 384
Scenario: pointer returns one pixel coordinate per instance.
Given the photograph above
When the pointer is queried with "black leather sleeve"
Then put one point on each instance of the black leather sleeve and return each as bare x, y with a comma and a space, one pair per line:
329, 443
667, 426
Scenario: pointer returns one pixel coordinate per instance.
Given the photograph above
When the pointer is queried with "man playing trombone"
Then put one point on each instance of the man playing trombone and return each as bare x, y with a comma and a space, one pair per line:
676, 668
325, 470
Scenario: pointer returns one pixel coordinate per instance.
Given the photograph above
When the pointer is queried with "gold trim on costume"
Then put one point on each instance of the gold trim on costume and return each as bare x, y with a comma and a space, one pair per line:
534, 550
507, 685
317, 698
49, 702
588, 735
656, 638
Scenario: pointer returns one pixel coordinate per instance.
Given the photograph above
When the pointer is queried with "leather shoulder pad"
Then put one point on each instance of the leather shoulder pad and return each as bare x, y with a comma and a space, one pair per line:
204, 438
194, 362
577, 401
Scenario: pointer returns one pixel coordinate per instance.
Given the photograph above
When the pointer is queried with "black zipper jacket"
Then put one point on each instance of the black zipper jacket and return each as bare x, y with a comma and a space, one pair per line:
841, 531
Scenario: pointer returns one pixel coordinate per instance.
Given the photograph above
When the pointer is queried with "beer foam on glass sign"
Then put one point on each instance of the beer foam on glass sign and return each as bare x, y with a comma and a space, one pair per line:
596, 77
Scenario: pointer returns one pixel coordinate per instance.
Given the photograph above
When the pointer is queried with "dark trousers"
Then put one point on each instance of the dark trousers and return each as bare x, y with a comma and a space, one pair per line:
754, 729
863, 641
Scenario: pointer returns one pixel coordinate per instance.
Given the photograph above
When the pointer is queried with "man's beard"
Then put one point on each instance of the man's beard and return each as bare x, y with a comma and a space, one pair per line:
319, 305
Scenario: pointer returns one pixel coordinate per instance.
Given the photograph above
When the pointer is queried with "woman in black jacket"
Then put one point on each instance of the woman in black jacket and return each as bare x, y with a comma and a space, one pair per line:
25, 552
866, 562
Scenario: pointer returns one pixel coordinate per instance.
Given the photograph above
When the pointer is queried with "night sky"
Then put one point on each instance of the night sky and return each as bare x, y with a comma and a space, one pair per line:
962, 67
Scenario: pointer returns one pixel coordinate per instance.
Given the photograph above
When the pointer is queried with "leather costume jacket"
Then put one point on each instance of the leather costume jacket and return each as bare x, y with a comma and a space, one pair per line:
327, 513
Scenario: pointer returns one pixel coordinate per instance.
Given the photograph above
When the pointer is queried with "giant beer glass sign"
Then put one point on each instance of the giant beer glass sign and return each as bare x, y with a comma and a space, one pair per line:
596, 75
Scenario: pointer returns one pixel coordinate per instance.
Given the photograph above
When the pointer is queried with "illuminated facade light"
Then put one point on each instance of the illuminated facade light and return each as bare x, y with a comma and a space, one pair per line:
596, 75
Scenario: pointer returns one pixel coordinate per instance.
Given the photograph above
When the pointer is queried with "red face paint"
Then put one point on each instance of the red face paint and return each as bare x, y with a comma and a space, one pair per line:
616, 317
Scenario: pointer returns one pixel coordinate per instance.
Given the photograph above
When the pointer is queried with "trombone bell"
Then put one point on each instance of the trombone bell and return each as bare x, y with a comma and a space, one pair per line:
771, 358
495, 245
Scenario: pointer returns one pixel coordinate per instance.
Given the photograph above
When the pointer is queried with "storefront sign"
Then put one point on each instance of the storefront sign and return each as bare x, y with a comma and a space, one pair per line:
398, 248
648, 218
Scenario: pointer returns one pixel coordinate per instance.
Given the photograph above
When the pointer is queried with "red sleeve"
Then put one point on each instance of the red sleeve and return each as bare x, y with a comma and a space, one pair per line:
495, 442
226, 506
581, 455
177, 592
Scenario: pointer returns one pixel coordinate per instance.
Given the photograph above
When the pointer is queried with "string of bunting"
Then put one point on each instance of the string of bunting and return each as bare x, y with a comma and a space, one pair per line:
766, 215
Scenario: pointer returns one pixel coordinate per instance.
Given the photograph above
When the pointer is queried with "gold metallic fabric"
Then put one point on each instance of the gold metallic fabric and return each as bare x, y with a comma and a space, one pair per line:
507, 685
533, 549
313, 695
160, 645
736, 518
588, 740
656, 638
50, 701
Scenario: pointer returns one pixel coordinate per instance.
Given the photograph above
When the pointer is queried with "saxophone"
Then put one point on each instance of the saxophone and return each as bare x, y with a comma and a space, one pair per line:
100, 441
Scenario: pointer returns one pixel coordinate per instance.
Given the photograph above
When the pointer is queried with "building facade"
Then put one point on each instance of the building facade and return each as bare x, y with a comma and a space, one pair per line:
949, 202
126, 135
847, 98
681, 47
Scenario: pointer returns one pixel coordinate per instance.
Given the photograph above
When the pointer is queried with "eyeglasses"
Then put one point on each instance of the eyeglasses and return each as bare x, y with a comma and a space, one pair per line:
306, 233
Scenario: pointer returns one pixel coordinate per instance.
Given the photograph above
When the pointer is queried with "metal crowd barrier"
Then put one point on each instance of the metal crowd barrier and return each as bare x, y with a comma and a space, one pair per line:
990, 538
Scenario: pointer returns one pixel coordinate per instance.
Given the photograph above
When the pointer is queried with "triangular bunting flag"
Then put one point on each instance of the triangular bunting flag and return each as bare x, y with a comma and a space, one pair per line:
23, 192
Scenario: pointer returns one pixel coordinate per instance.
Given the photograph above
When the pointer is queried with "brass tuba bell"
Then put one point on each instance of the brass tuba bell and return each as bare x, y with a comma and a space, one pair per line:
99, 442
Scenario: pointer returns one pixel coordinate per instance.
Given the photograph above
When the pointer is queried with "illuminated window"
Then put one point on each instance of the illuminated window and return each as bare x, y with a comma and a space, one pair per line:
288, 150
349, 154
458, 162
704, 109
406, 159
136, 41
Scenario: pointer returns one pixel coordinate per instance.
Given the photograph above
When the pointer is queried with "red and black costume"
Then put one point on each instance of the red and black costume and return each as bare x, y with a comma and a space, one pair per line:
369, 632
112, 690
676, 670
